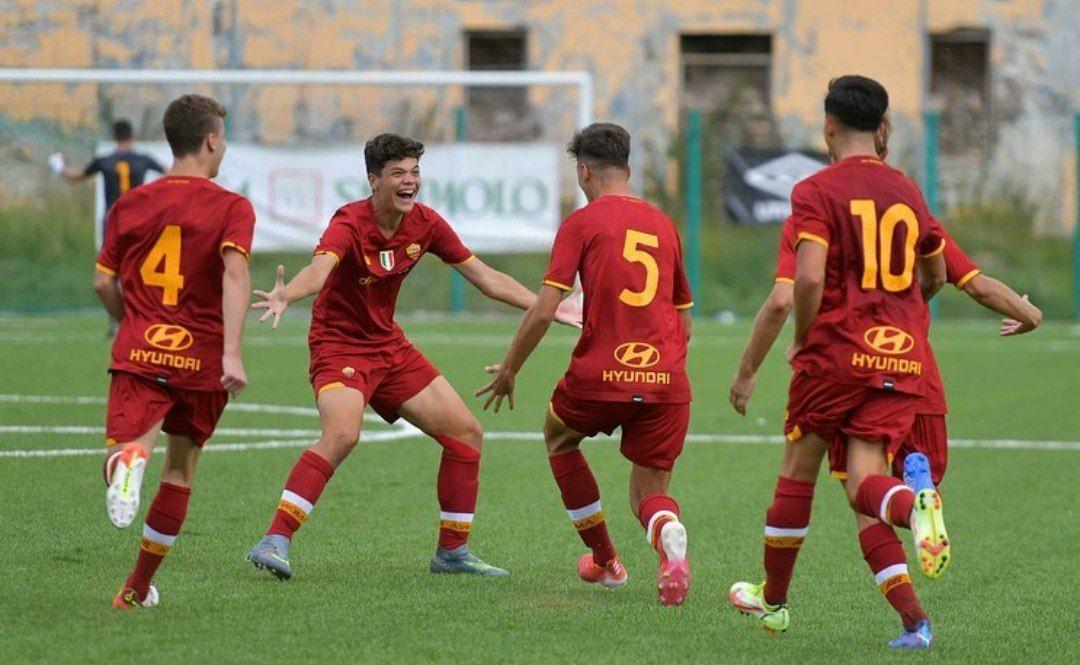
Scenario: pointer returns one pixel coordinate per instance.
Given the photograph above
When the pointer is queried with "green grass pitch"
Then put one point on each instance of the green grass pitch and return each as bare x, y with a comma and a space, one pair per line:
362, 591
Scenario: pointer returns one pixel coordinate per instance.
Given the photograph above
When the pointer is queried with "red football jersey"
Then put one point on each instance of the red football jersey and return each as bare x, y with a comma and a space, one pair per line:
633, 346
959, 271
786, 258
871, 328
164, 240
356, 305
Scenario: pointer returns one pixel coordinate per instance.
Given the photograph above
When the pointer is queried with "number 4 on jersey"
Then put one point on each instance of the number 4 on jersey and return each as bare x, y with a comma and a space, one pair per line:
162, 265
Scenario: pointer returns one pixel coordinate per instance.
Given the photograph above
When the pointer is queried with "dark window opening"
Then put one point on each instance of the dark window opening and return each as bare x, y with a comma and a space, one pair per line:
498, 113
960, 89
727, 77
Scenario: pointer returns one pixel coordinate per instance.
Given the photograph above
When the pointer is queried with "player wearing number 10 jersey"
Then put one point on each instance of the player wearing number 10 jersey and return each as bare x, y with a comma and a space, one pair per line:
859, 354
173, 270
629, 367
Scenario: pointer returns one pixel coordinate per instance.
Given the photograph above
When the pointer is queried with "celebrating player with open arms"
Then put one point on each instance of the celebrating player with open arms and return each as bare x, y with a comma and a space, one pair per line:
173, 270
629, 367
859, 355
359, 355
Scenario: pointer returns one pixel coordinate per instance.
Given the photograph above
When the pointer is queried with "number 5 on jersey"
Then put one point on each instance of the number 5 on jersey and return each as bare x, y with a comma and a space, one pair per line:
161, 267
633, 253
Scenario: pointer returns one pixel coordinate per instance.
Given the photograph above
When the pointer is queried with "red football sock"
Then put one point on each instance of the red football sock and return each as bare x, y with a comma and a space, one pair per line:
302, 489
885, 556
581, 496
458, 484
885, 498
163, 522
786, 523
654, 511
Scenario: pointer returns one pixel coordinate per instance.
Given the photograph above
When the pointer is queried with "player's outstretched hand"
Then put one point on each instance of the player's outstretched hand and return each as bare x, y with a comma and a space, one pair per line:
1010, 327
742, 387
233, 377
570, 312
56, 163
502, 385
275, 301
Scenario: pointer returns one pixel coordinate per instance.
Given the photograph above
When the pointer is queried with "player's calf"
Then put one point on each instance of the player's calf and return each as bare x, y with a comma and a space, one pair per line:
124, 469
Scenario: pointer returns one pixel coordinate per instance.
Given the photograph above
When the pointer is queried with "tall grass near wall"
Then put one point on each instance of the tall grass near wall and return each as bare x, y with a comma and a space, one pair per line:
47, 258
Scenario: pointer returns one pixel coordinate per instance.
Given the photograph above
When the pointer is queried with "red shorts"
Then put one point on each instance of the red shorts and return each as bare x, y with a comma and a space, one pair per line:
135, 404
928, 436
836, 411
652, 434
387, 378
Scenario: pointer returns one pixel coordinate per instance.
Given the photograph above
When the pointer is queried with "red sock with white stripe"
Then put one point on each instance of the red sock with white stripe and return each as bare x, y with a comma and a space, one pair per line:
302, 490
887, 499
458, 485
163, 521
786, 523
581, 496
885, 556
654, 511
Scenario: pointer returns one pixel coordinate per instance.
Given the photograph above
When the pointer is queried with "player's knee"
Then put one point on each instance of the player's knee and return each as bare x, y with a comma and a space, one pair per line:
851, 488
471, 433
341, 439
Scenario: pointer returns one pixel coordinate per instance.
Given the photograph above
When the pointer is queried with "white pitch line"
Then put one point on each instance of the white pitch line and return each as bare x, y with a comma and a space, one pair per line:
399, 435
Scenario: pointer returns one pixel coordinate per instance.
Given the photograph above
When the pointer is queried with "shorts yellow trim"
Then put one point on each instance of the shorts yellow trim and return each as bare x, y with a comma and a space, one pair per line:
330, 386
960, 283
557, 285
784, 280
461, 263
107, 271
839, 475
229, 243
804, 235
685, 305
940, 249
551, 410
795, 434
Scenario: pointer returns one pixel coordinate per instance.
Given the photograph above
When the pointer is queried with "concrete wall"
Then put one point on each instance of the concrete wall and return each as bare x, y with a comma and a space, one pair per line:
631, 47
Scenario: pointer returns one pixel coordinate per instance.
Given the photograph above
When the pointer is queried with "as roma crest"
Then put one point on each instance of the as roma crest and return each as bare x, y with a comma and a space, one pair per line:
413, 251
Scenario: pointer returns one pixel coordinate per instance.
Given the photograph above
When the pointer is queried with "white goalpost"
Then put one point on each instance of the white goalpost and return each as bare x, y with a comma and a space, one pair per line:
286, 173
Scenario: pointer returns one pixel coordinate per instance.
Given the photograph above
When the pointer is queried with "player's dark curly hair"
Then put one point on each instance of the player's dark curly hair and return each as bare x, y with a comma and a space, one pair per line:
858, 102
189, 119
122, 131
601, 144
386, 148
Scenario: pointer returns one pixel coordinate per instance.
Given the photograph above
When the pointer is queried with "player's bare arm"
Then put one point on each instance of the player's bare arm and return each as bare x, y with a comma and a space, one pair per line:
307, 282
504, 288
809, 285
534, 325
1020, 315
235, 286
932, 275
768, 323
107, 288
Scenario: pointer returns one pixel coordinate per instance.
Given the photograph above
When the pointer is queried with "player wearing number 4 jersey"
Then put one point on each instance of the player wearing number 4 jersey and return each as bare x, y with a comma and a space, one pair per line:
173, 270
360, 356
628, 370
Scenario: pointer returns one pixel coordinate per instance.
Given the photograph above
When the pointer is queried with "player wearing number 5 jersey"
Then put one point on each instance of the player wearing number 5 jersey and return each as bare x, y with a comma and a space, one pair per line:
628, 370
860, 351
173, 270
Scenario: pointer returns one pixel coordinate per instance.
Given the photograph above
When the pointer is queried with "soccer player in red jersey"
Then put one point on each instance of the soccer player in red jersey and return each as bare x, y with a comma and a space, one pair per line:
629, 367
858, 354
360, 356
173, 270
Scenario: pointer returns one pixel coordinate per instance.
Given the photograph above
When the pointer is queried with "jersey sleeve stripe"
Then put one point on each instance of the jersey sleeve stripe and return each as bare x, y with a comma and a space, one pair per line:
558, 285
461, 263
329, 253
105, 269
940, 249
687, 305
803, 235
233, 245
784, 280
967, 278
